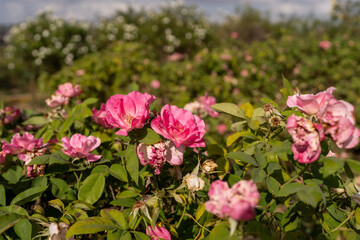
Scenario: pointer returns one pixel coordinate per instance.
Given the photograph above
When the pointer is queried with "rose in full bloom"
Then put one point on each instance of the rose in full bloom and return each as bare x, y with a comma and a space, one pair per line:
180, 126
57, 100
128, 112
307, 137
309, 103
80, 146
325, 45
68, 90
9, 115
339, 123
157, 154
237, 202
26, 147
158, 233
99, 116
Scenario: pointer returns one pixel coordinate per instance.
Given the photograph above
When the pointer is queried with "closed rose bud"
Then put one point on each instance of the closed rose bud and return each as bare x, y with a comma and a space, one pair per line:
193, 182
208, 166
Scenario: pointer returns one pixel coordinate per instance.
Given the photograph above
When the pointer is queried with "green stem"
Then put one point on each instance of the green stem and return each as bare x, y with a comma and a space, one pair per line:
181, 218
347, 219
188, 215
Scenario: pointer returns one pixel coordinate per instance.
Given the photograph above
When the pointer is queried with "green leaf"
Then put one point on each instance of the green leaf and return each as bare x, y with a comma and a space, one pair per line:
223, 167
260, 158
119, 172
90, 101
13, 174
127, 194
90, 225
39, 160
60, 189
287, 86
132, 163
200, 211
101, 169
58, 204
331, 166
123, 202
354, 165
149, 136
7, 221
13, 209
272, 185
229, 108
23, 229
2, 195
272, 102
290, 189
126, 236
40, 181
28, 195
141, 236
115, 215
59, 157
220, 231
310, 195
36, 120
92, 188
114, 235
243, 157
258, 175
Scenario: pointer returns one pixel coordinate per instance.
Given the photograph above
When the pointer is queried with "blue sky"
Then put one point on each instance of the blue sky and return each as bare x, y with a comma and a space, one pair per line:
13, 11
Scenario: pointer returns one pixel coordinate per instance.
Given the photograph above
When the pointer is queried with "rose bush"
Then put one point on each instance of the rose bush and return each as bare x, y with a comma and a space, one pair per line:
279, 172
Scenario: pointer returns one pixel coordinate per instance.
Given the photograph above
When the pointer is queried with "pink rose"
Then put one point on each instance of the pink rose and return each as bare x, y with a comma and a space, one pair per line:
158, 233
309, 103
244, 73
10, 115
234, 35
99, 116
325, 45
221, 128
57, 100
26, 147
307, 137
175, 57
206, 102
237, 202
3, 156
80, 146
68, 90
80, 72
339, 122
157, 154
180, 126
128, 112
155, 84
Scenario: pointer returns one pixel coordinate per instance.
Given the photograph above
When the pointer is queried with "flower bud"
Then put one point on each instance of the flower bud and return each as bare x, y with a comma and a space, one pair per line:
208, 166
193, 182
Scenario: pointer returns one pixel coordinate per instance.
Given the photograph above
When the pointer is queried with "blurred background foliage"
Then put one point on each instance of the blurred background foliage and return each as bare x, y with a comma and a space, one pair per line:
240, 59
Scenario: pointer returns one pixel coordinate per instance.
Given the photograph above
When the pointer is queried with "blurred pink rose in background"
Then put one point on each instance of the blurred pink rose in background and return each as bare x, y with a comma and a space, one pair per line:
57, 100
175, 57
68, 90
9, 115
221, 128
155, 84
80, 146
80, 72
234, 35
325, 45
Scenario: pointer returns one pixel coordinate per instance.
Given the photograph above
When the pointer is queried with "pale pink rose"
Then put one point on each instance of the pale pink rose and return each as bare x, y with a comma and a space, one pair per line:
157, 154
68, 90
9, 115
234, 35
351, 43
180, 126
26, 147
57, 100
248, 58
158, 233
99, 116
310, 103
325, 45
80, 72
331, 154
225, 57
175, 57
128, 112
221, 128
206, 102
339, 122
80, 146
244, 73
237, 202
155, 84
306, 137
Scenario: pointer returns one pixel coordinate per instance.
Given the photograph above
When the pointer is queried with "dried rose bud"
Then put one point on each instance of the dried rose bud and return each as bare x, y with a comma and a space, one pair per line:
275, 121
193, 182
208, 166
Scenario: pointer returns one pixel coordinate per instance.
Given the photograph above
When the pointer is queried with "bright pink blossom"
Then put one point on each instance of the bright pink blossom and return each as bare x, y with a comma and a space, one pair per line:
325, 45
157, 154
180, 126
26, 147
309, 103
80, 146
237, 202
339, 122
99, 116
9, 115
307, 137
202, 106
68, 90
158, 233
128, 112
57, 100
